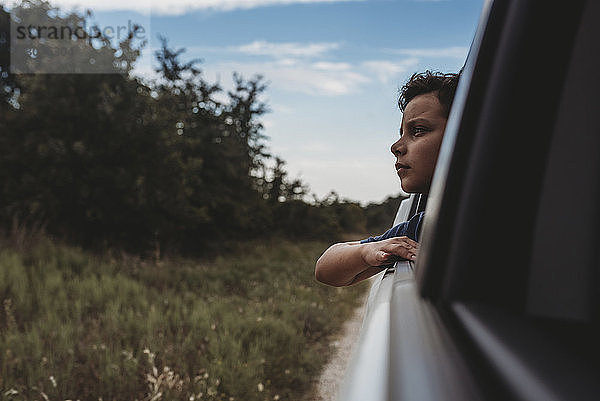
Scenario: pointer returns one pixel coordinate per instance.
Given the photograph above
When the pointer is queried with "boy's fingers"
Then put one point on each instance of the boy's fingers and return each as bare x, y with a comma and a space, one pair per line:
401, 247
410, 242
405, 241
406, 251
391, 249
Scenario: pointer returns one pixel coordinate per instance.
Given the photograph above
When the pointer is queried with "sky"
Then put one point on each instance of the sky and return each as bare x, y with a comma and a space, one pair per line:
333, 70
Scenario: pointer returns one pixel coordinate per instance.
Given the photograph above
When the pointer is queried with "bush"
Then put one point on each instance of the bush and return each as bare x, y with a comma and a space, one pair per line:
251, 326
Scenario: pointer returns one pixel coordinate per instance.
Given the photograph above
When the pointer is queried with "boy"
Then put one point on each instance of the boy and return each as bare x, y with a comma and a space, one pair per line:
425, 101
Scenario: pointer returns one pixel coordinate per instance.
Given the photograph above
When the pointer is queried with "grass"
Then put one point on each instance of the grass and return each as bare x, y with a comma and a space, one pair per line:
253, 325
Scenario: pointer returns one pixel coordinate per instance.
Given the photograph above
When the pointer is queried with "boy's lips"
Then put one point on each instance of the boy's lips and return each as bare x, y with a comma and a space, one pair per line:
400, 166
402, 169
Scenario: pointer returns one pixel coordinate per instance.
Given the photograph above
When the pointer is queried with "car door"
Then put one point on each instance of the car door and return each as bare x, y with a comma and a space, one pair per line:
503, 300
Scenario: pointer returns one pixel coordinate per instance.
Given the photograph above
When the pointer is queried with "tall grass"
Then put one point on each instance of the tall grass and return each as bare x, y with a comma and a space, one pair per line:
253, 325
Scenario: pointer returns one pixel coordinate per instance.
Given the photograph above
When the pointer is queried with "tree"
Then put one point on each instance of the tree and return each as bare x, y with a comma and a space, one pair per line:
109, 160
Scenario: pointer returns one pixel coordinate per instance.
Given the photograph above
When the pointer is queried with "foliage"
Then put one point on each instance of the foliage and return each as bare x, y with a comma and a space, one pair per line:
171, 165
379, 216
252, 327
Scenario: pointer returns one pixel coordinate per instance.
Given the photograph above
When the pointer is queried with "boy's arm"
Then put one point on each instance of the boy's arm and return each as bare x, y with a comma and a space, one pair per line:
350, 262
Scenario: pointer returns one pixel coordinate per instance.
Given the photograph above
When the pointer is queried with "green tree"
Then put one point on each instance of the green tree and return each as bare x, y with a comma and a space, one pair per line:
109, 160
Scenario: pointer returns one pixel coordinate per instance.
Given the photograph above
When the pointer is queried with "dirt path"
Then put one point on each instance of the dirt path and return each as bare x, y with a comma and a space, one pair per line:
333, 374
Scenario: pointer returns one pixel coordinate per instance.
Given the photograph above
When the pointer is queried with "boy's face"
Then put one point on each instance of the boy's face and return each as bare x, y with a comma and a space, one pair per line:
421, 134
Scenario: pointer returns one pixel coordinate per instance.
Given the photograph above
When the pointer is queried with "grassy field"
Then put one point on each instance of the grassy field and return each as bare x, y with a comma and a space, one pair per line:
253, 325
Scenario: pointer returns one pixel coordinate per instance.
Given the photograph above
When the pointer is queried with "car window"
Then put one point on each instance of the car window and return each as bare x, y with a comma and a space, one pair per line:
565, 252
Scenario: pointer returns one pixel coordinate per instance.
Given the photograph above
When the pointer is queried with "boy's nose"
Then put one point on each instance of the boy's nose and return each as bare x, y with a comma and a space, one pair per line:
398, 148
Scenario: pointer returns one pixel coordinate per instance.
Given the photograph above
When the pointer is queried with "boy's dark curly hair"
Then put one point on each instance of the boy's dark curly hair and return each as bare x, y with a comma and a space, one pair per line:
427, 82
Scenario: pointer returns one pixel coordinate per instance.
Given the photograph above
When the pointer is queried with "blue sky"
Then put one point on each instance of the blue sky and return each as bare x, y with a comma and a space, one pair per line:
333, 67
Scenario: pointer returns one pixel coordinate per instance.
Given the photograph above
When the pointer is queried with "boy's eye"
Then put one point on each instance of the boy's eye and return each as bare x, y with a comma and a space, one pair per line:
419, 130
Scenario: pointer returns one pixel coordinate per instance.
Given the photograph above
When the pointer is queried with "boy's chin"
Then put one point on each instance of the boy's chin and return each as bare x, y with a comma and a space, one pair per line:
413, 189
409, 189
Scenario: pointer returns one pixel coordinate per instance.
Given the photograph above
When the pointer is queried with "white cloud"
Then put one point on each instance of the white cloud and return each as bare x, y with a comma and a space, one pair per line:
298, 67
306, 79
177, 7
386, 70
180, 6
287, 62
308, 68
452, 52
302, 77
281, 109
302, 74
329, 66
281, 50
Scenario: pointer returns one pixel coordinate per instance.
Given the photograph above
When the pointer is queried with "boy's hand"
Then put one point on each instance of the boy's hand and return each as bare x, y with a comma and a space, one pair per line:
389, 250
